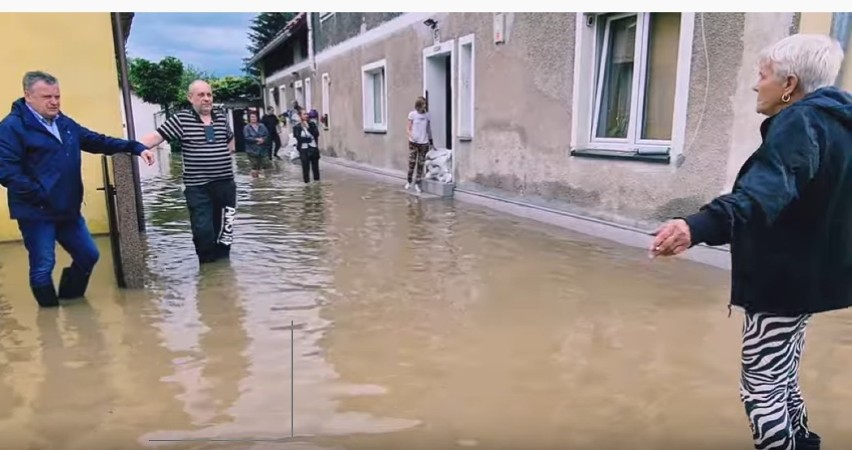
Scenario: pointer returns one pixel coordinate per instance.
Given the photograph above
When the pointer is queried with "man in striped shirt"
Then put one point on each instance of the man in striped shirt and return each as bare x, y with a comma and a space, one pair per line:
207, 145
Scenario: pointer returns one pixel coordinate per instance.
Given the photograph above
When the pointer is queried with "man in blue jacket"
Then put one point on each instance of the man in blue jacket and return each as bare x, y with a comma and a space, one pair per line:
40, 166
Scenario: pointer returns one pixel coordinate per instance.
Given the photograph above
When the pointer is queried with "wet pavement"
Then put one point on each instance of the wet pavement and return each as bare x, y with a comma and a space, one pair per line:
418, 323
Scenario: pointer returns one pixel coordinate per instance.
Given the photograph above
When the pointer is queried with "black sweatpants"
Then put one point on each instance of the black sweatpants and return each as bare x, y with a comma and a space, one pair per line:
212, 207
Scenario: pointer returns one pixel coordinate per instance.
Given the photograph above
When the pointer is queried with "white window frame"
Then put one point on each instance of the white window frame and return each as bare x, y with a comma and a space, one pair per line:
588, 81
308, 94
326, 93
271, 98
297, 86
367, 71
467, 134
282, 99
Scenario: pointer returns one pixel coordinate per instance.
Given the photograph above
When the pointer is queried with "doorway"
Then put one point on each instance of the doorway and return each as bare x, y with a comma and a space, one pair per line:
438, 90
239, 120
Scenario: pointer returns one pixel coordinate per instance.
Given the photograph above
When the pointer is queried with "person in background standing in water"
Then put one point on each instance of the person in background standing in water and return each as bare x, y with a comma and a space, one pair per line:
257, 145
788, 221
270, 121
40, 166
307, 142
419, 141
208, 171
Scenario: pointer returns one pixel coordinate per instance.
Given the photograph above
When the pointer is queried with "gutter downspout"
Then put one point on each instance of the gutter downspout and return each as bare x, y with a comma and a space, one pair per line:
123, 192
128, 111
311, 55
840, 30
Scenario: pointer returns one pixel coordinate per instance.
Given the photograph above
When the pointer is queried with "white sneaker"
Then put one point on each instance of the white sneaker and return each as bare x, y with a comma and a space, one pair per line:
407, 186
417, 188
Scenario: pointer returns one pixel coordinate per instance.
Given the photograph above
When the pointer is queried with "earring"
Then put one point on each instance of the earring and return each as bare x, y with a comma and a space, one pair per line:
785, 98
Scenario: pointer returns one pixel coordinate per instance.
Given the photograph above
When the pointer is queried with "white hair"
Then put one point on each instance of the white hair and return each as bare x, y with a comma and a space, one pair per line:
814, 59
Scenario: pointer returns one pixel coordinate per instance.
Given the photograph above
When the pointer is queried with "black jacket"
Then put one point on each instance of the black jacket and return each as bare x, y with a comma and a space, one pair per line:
789, 216
297, 133
270, 121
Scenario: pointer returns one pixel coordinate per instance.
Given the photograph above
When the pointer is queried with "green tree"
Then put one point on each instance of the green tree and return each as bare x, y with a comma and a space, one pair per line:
264, 27
235, 89
158, 83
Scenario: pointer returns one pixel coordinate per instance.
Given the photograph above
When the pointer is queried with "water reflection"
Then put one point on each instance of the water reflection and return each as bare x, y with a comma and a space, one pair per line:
74, 354
418, 322
278, 276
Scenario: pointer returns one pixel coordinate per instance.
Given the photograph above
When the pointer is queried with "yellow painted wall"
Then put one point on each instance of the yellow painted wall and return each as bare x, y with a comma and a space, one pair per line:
846, 82
815, 23
78, 49
821, 23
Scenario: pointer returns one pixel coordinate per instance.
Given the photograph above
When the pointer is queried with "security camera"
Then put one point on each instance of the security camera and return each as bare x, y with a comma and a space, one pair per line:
431, 23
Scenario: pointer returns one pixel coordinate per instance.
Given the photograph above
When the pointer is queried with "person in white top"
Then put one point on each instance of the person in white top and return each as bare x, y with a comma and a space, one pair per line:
419, 141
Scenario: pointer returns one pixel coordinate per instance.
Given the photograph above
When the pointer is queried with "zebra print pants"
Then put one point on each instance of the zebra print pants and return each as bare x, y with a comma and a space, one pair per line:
769, 385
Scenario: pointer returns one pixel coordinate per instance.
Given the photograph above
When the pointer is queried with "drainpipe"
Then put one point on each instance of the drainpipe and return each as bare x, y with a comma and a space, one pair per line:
311, 55
840, 30
128, 112
123, 195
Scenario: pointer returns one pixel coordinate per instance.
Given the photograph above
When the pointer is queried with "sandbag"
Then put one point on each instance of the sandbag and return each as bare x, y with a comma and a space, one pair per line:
439, 165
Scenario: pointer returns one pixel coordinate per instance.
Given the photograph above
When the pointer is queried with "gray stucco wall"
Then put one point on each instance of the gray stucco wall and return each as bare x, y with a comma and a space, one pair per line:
523, 111
345, 25
346, 138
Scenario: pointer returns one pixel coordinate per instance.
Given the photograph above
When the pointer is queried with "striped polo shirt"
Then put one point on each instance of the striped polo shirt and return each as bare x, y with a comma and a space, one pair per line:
203, 160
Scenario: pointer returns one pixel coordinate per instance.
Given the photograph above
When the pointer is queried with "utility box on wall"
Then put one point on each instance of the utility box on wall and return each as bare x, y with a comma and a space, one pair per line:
499, 28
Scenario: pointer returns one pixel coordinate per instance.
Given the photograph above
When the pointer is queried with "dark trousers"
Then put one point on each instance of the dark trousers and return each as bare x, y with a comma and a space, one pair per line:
276, 144
40, 238
310, 162
212, 207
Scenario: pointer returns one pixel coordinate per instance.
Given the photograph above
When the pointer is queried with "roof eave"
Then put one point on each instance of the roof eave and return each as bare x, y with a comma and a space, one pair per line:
126, 19
286, 33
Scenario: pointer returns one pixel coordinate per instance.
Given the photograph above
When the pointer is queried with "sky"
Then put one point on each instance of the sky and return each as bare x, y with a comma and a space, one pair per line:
212, 42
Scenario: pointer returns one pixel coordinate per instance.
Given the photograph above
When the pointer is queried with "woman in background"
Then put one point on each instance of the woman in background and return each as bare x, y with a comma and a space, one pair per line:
306, 133
257, 145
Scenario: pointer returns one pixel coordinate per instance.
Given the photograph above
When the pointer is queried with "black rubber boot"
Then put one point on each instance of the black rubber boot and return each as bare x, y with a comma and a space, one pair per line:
811, 442
73, 283
46, 296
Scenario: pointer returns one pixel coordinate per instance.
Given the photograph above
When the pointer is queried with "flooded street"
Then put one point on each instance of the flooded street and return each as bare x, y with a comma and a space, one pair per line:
419, 323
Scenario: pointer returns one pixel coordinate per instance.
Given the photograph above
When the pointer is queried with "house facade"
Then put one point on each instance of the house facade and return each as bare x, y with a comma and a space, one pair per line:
90, 92
630, 117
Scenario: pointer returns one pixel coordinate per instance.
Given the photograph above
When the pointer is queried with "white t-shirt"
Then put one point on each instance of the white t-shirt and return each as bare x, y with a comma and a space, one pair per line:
420, 129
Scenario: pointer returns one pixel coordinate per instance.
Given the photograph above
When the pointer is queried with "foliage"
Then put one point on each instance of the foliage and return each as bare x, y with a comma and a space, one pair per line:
264, 27
235, 89
157, 83
165, 84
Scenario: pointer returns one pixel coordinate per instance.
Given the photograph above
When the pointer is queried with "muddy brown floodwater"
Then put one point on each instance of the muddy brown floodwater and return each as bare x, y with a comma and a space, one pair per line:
419, 324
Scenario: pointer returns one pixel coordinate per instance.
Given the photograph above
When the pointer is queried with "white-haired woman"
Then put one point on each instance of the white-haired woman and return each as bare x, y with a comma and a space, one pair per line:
789, 222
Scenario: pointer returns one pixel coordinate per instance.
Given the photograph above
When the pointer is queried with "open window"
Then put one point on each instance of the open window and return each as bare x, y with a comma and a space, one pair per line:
632, 73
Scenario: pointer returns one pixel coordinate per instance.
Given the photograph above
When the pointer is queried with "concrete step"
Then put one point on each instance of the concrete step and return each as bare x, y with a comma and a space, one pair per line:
437, 188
